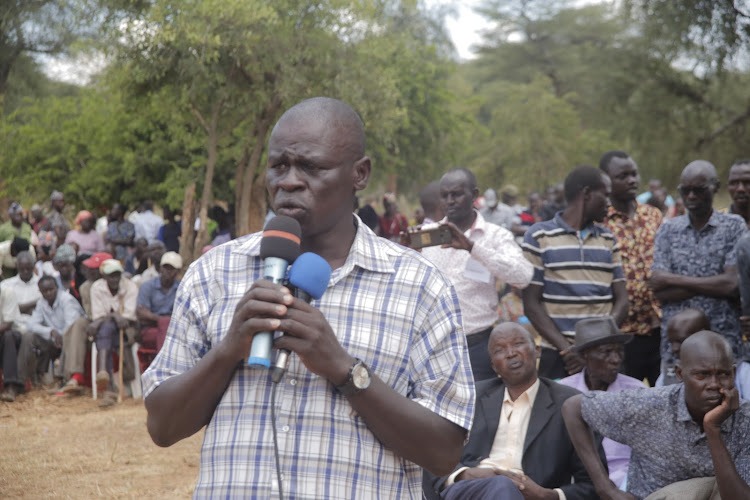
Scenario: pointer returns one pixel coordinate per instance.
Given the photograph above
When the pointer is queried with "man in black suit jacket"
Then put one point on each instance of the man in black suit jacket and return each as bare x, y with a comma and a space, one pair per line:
549, 466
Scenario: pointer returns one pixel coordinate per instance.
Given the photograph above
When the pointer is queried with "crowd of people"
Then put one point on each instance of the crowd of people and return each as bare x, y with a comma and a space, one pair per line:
65, 286
594, 308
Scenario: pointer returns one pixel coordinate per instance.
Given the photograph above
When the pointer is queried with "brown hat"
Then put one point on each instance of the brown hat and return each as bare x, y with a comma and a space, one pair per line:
592, 332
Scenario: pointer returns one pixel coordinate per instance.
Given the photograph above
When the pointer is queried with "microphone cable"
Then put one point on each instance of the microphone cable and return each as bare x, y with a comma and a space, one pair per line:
276, 455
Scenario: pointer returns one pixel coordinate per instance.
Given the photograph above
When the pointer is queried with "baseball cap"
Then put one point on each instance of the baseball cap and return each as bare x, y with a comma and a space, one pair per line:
96, 260
173, 259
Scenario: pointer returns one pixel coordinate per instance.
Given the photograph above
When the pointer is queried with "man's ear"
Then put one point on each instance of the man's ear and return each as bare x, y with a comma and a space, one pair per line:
361, 173
678, 372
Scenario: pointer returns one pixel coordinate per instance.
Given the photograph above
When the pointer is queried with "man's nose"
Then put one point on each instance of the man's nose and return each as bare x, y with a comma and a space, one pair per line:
290, 179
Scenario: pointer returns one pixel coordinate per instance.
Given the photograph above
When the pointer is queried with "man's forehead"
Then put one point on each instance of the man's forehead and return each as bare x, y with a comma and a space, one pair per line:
739, 171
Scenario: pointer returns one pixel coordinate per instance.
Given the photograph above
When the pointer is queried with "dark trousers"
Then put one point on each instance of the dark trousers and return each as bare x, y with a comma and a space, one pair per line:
551, 364
9, 344
643, 357
479, 355
499, 487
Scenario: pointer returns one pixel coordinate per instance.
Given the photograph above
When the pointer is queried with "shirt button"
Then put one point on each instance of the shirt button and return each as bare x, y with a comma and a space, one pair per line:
285, 428
293, 381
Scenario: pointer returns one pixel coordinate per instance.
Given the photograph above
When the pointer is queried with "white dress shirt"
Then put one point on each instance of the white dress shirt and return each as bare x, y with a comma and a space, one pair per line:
494, 256
26, 291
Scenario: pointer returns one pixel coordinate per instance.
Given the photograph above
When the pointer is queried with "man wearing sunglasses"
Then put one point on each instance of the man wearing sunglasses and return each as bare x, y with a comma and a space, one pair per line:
695, 262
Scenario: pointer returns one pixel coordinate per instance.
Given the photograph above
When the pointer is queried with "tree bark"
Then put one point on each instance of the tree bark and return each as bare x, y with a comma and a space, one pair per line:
188, 226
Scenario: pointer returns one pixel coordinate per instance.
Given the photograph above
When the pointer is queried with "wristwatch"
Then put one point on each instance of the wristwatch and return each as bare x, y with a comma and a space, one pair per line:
359, 379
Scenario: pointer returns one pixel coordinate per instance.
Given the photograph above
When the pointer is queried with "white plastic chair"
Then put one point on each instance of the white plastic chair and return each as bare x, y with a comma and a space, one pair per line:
135, 384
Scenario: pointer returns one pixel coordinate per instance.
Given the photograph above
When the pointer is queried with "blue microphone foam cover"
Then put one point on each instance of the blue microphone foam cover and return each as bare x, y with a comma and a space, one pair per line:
311, 273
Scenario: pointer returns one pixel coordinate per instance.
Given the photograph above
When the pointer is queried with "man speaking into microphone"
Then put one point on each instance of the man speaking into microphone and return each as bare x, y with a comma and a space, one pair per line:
378, 383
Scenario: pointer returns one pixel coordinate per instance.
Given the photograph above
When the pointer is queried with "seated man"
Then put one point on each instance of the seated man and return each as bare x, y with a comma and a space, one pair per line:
155, 301
64, 262
602, 347
25, 287
518, 447
10, 340
680, 327
57, 327
696, 429
113, 300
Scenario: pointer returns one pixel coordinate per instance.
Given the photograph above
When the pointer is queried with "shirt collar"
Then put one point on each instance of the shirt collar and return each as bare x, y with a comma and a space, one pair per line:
479, 225
529, 394
368, 251
592, 228
713, 221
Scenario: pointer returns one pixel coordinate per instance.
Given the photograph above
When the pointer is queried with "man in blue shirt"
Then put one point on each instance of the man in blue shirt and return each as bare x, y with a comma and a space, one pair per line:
155, 301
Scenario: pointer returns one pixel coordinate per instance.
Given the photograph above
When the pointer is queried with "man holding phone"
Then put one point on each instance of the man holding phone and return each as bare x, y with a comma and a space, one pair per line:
477, 256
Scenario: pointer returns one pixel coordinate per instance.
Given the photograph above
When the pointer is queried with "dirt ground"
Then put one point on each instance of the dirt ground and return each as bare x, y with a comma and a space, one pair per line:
59, 447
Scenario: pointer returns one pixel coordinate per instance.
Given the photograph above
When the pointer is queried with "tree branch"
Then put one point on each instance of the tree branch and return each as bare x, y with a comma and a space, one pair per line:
716, 133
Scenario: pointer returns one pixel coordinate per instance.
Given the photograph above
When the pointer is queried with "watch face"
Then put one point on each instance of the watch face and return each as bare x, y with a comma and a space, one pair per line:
361, 377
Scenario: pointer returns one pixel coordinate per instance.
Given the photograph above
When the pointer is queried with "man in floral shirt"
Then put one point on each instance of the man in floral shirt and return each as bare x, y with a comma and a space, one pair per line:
634, 225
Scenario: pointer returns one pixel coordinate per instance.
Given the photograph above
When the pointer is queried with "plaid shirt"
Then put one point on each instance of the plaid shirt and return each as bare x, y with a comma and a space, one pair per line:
389, 307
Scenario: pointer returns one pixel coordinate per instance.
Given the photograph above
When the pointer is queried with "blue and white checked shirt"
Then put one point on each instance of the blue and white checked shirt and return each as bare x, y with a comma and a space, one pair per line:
389, 307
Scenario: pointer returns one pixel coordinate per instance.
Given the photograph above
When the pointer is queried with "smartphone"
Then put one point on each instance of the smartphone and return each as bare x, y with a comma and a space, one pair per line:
439, 235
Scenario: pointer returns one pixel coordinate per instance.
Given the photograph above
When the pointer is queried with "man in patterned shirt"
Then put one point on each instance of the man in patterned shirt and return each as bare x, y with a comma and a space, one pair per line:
689, 431
695, 262
634, 225
387, 312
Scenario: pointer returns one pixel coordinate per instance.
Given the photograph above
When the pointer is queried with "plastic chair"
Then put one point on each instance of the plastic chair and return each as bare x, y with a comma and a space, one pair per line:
135, 384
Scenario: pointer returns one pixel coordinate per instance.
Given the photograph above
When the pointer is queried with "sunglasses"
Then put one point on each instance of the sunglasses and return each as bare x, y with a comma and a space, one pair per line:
696, 190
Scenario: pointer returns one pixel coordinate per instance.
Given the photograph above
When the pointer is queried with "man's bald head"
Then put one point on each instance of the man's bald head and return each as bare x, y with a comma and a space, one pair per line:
334, 115
509, 327
705, 344
699, 168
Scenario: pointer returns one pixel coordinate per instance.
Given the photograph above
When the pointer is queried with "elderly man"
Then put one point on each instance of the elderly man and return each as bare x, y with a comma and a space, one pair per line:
634, 225
378, 384
695, 262
577, 271
55, 216
697, 429
156, 300
57, 326
25, 288
9, 251
519, 447
16, 226
64, 264
602, 347
113, 303
479, 255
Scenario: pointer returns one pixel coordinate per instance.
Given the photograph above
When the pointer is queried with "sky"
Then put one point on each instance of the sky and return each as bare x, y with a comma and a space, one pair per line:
464, 27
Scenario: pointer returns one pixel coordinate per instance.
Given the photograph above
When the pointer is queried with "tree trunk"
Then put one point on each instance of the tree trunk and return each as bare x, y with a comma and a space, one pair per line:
188, 226
202, 238
250, 199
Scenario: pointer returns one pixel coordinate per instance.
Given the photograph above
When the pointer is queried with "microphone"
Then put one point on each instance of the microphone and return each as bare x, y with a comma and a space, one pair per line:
279, 247
309, 275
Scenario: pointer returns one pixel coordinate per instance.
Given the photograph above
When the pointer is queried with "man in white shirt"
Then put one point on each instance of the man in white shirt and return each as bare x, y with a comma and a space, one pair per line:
147, 223
519, 447
479, 255
25, 287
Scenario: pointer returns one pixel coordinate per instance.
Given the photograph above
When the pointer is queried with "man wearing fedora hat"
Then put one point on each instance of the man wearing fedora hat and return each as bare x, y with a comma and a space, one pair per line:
602, 346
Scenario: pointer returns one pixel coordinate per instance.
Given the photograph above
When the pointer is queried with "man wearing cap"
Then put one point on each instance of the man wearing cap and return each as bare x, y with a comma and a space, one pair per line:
88, 240
113, 303
90, 270
25, 287
686, 437
16, 226
55, 216
602, 347
496, 213
155, 301
57, 327
518, 447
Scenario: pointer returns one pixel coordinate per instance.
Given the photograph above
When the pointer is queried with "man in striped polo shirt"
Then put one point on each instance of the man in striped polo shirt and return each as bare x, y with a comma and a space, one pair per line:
577, 271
